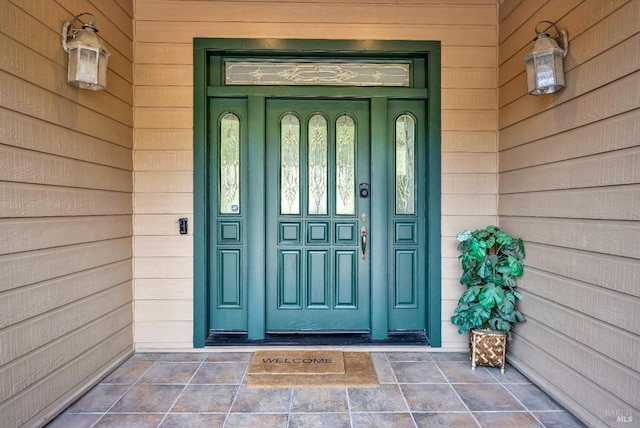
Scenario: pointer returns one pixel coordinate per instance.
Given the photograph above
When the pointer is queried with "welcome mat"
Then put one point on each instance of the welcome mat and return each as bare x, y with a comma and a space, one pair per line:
280, 369
297, 362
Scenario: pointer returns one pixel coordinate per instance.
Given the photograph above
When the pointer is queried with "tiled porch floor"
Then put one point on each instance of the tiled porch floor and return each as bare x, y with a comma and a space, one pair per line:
209, 390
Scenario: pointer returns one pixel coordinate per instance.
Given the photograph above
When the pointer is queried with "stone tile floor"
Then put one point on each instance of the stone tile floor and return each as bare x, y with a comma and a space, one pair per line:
209, 390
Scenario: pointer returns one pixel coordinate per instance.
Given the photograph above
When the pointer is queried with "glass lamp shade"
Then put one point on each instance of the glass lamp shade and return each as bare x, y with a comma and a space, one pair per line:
545, 71
87, 61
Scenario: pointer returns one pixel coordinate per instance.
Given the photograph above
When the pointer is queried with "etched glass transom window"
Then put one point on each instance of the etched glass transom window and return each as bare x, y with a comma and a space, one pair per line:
317, 166
405, 164
229, 164
345, 165
317, 73
290, 165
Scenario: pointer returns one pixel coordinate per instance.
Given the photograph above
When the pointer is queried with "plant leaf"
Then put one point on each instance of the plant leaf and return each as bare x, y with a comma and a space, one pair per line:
479, 316
464, 235
515, 265
477, 249
499, 324
508, 304
521, 249
491, 296
470, 294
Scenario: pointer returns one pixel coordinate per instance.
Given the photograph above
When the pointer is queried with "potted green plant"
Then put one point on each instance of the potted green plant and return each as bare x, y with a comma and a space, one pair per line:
491, 260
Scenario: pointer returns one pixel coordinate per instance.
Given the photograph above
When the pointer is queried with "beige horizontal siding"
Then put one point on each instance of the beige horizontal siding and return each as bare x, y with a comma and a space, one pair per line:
164, 52
160, 181
78, 371
589, 401
469, 141
166, 160
163, 203
32, 100
19, 375
619, 97
164, 119
158, 224
612, 307
66, 312
30, 200
163, 335
184, 32
614, 203
27, 133
19, 235
314, 13
55, 324
51, 294
163, 267
163, 139
597, 236
469, 163
605, 136
54, 171
469, 183
569, 186
618, 168
163, 246
453, 224
607, 271
164, 289
158, 96
590, 333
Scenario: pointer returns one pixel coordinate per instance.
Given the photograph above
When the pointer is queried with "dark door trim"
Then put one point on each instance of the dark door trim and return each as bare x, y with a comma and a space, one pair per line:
208, 82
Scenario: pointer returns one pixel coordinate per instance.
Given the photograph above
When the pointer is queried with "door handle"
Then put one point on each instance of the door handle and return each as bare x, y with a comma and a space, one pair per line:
363, 242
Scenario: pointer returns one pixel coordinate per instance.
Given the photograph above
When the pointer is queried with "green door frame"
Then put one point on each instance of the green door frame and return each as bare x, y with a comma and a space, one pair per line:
207, 67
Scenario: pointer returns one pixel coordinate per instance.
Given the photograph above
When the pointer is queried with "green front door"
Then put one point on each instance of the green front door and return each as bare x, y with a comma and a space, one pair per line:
287, 136
317, 209
342, 241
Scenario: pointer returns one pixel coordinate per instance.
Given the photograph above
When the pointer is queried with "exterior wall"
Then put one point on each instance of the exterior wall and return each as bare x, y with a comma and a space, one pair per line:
65, 210
569, 187
163, 189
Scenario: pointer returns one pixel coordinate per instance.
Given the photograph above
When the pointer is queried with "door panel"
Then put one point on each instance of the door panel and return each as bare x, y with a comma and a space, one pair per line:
228, 214
407, 212
317, 154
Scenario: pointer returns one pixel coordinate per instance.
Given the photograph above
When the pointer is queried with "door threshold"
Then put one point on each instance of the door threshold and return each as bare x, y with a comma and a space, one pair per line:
400, 338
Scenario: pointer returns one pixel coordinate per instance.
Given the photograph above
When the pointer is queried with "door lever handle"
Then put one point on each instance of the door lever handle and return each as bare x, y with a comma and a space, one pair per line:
363, 242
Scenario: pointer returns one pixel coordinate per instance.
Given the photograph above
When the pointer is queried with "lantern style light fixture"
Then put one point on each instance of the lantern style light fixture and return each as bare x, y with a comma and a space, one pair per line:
545, 71
88, 57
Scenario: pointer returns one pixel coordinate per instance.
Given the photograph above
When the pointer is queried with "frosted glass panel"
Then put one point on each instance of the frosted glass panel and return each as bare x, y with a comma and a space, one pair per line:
317, 165
229, 164
345, 165
405, 165
290, 165
317, 73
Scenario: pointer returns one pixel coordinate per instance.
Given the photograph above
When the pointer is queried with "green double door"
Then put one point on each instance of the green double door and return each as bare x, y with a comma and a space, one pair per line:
317, 265
324, 259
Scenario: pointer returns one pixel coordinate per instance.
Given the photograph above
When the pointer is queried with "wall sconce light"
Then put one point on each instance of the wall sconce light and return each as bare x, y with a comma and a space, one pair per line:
545, 72
88, 58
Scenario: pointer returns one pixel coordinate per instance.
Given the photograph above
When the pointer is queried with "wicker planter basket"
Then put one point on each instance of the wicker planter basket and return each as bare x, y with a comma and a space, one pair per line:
488, 348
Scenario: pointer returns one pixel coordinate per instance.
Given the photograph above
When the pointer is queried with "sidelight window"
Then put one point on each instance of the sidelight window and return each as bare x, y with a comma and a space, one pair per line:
290, 165
345, 165
229, 164
405, 164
